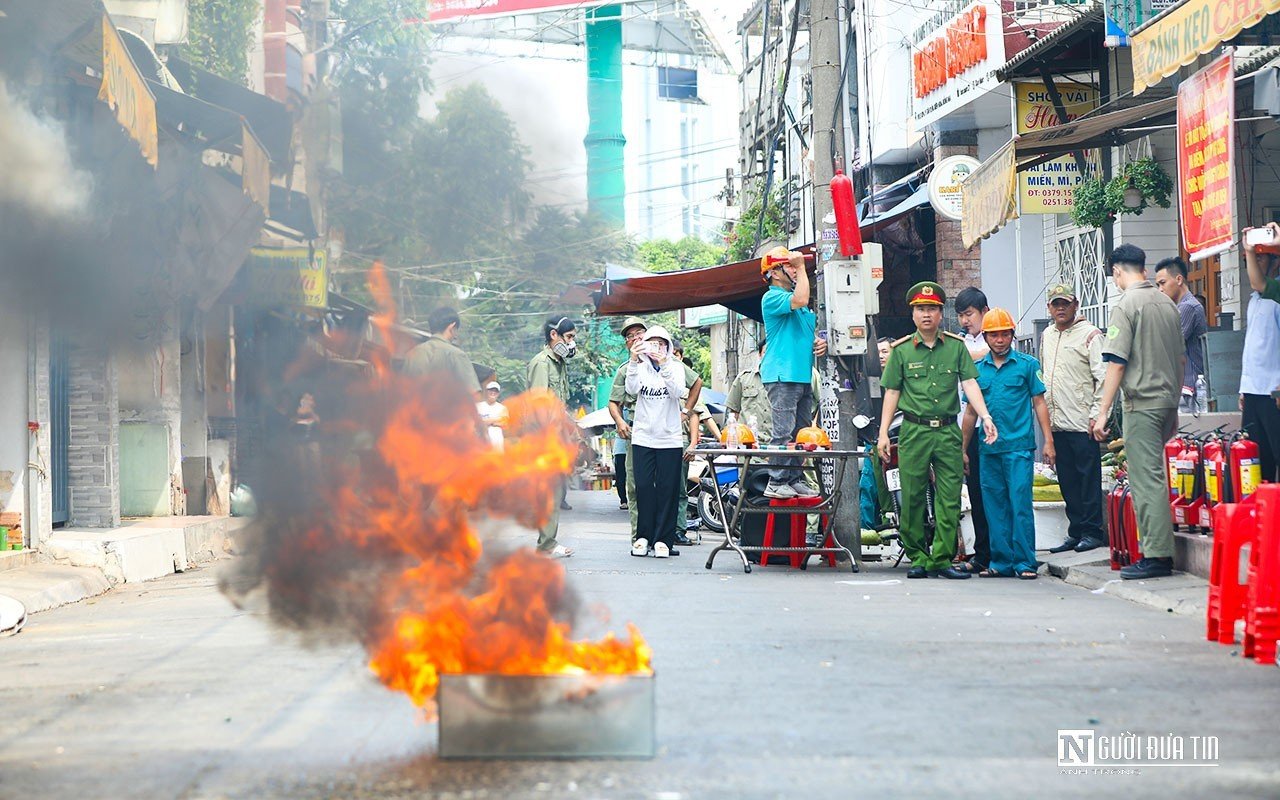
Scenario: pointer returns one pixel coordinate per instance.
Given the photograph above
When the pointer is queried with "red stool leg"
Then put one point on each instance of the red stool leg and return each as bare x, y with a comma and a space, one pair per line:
798, 524
768, 537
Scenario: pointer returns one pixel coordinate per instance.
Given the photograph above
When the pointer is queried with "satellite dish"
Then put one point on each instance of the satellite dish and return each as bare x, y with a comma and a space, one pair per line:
13, 615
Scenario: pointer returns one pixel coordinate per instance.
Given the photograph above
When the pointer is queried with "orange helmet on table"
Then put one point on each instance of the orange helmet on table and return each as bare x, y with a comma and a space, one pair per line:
812, 438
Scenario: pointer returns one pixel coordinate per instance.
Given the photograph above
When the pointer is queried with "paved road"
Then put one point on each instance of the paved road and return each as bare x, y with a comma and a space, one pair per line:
774, 684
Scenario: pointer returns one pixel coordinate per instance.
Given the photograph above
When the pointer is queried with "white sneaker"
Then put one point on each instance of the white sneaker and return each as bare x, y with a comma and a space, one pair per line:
660, 550
780, 491
805, 490
640, 547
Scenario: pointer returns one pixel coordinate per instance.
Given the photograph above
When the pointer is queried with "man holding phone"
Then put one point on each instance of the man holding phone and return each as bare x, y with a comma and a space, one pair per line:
787, 365
1260, 361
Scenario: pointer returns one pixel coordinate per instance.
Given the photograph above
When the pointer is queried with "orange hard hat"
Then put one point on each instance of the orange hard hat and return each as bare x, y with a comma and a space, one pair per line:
746, 436
774, 259
997, 319
812, 438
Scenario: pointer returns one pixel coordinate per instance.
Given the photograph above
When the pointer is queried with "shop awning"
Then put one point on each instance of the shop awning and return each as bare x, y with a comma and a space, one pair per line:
1055, 48
270, 119
992, 188
736, 286
1179, 36
213, 127
880, 219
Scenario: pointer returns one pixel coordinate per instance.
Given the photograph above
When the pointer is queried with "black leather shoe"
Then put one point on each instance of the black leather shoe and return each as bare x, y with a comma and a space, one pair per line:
1069, 544
917, 572
951, 573
1087, 545
1147, 568
673, 551
564, 506
683, 541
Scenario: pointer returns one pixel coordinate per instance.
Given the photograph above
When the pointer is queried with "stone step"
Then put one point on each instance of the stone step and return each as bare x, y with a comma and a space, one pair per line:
13, 559
143, 549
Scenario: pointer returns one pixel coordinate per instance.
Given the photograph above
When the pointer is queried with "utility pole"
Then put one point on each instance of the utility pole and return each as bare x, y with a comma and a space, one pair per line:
826, 74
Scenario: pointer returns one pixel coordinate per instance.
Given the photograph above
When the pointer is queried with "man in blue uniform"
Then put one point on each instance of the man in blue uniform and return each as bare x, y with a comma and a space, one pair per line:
1013, 388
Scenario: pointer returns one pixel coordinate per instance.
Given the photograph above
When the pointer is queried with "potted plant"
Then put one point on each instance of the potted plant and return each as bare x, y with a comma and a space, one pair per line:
1090, 204
1139, 185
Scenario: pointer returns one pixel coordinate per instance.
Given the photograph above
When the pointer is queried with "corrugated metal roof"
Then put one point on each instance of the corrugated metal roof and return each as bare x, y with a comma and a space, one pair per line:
1061, 35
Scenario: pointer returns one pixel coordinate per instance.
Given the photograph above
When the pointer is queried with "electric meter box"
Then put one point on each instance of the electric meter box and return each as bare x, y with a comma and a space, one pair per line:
850, 293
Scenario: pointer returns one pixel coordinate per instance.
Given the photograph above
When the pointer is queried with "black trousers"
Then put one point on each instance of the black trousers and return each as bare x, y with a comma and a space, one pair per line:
620, 475
1261, 418
1079, 469
657, 474
981, 533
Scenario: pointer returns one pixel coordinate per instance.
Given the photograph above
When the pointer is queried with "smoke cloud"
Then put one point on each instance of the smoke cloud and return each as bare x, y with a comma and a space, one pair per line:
35, 160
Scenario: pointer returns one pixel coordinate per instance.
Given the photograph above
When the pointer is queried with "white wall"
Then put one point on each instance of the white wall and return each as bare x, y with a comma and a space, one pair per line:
887, 130
14, 438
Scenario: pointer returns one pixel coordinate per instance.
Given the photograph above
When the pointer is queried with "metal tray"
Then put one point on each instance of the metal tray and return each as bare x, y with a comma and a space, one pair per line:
546, 716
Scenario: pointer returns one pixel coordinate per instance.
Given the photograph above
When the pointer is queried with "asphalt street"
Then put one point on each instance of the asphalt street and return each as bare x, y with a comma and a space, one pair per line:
775, 684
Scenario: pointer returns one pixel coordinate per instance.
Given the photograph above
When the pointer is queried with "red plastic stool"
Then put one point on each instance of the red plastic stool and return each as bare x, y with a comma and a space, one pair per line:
797, 532
1262, 606
1234, 526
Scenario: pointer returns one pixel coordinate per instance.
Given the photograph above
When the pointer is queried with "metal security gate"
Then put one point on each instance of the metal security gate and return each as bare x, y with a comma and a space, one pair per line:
59, 429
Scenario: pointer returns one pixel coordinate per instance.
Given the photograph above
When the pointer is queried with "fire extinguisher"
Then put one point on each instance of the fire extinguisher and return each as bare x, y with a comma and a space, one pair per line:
1187, 472
846, 211
1172, 450
1246, 467
1216, 481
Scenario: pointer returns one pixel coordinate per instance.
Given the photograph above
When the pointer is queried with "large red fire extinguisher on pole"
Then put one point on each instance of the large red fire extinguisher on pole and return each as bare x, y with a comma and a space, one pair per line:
1246, 467
846, 211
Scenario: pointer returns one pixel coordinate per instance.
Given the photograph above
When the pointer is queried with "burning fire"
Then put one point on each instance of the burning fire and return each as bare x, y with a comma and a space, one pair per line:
392, 550
507, 619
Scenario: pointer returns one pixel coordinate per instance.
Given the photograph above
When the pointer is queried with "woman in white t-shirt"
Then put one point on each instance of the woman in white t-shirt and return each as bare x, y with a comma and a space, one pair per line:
657, 441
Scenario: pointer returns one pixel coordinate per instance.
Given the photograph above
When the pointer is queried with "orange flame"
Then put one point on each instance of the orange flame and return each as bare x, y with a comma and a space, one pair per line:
411, 503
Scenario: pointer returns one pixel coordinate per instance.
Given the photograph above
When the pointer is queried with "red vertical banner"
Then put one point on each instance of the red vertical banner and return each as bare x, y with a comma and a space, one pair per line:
1206, 147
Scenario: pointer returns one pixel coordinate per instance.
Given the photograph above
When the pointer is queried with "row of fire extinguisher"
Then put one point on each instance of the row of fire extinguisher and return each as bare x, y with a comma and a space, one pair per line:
1206, 470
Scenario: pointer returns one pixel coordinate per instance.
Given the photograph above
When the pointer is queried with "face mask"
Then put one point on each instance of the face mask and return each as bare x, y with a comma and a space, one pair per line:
565, 350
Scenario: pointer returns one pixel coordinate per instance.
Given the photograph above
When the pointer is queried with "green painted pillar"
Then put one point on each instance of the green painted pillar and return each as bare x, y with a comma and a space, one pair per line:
606, 181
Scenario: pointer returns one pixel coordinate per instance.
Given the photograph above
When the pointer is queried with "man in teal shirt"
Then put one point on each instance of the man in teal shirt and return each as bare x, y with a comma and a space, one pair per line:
1013, 388
787, 366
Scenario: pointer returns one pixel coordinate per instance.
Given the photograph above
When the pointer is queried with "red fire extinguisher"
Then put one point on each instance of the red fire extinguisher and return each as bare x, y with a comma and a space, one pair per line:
1172, 450
846, 212
1216, 476
1187, 464
1246, 467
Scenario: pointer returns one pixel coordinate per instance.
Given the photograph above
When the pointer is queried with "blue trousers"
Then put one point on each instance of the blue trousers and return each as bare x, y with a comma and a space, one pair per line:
1006, 491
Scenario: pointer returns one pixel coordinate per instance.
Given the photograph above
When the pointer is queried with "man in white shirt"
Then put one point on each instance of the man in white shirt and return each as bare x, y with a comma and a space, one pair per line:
1260, 361
971, 307
492, 413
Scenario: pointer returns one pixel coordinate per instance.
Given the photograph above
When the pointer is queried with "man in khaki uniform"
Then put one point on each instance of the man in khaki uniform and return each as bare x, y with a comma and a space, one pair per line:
440, 354
1144, 354
1071, 357
549, 369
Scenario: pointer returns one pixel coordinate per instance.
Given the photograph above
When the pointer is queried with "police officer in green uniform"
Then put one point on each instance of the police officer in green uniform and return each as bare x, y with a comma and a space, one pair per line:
921, 377
549, 369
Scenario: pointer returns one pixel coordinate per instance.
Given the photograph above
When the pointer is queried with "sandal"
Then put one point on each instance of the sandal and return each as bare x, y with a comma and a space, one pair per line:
1027, 575
971, 567
991, 573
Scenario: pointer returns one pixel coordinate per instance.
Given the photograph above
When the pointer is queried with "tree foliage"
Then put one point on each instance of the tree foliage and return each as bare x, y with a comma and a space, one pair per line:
220, 35
742, 241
